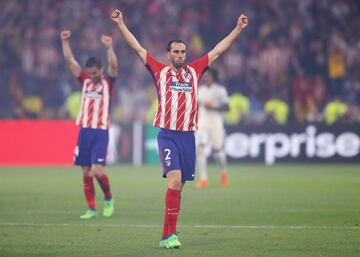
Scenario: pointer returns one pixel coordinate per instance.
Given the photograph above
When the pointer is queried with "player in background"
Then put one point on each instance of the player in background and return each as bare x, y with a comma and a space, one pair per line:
176, 85
213, 101
94, 121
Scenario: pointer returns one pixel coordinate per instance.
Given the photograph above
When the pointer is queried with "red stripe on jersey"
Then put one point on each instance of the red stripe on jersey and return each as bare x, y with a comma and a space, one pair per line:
95, 102
193, 113
157, 117
177, 93
168, 109
181, 111
83, 102
101, 109
91, 113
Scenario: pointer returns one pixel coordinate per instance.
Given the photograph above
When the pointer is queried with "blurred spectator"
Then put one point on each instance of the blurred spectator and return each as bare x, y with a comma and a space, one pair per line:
319, 38
304, 98
335, 111
336, 68
277, 111
239, 109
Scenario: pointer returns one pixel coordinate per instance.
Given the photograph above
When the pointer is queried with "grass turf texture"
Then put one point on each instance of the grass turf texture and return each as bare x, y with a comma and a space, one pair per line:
282, 210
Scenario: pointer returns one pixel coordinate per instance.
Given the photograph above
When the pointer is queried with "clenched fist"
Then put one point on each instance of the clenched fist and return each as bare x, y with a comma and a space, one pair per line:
65, 34
106, 40
117, 16
243, 21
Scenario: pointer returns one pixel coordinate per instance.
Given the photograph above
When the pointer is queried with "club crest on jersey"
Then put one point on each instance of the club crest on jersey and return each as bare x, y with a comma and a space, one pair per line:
181, 86
187, 76
99, 88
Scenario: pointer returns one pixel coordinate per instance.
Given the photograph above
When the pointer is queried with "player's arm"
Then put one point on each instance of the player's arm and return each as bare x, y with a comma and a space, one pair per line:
113, 66
73, 65
226, 42
130, 39
223, 107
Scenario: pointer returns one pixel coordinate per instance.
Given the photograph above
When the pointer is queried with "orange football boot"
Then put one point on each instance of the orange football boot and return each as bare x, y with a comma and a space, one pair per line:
202, 183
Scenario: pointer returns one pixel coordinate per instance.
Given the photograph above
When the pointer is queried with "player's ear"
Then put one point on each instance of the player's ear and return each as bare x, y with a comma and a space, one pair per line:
168, 55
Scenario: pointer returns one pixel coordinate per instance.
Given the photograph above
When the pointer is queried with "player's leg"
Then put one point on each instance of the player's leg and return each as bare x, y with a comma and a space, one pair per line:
220, 157
98, 158
83, 159
104, 183
176, 180
172, 203
217, 136
201, 158
169, 157
89, 192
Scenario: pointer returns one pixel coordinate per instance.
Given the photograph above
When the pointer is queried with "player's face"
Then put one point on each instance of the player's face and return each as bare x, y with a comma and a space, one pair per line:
94, 73
177, 54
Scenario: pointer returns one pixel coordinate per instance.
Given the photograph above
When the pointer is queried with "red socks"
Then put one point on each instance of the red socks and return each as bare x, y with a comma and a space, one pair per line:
105, 186
172, 208
89, 191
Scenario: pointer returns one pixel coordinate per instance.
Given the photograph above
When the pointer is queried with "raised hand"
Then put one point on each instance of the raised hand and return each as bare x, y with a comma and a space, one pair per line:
117, 16
106, 40
242, 21
65, 34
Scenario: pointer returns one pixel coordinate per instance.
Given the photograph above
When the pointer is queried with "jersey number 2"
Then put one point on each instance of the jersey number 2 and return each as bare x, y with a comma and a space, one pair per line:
167, 154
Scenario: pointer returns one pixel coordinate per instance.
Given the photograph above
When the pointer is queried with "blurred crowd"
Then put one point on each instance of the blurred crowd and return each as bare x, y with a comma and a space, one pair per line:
298, 61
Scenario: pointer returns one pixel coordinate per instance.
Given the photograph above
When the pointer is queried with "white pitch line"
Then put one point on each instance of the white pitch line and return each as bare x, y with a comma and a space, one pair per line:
305, 227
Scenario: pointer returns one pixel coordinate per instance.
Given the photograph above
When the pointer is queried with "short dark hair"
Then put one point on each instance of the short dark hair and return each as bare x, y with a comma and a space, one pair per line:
174, 41
93, 62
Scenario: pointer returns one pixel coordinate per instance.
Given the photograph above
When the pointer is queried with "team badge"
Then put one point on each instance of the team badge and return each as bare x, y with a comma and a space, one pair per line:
168, 163
187, 75
99, 88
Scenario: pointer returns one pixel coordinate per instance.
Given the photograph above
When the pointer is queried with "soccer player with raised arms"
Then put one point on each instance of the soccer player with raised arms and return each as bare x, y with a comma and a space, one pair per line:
176, 85
94, 121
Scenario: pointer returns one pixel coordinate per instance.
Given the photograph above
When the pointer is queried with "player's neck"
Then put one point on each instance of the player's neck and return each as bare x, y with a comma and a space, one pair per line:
175, 68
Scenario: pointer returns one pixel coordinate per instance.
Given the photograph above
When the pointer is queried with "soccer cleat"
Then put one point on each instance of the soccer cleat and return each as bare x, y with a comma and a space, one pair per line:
90, 213
162, 243
224, 179
202, 183
172, 242
108, 208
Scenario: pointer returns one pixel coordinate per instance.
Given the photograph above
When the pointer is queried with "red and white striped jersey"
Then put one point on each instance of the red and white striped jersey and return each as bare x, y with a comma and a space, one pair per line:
177, 93
95, 102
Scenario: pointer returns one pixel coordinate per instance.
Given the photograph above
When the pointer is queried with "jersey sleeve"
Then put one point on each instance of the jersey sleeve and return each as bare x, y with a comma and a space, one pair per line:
152, 65
83, 75
111, 81
200, 65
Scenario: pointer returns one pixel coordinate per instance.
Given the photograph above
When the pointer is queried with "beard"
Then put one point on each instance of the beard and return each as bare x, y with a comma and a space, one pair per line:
178, 65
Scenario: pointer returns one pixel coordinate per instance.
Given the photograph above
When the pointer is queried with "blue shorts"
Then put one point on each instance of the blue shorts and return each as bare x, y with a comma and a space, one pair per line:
177, 152
91, 147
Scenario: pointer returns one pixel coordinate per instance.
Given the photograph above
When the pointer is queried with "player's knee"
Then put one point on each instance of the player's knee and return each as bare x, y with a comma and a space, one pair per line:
96, 170
86, 171
174, 180
219, 154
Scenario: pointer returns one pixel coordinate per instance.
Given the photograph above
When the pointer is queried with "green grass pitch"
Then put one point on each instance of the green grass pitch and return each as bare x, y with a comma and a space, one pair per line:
281, 210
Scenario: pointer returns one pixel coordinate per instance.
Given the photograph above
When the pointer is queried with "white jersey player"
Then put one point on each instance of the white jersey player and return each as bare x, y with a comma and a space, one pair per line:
213, 101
